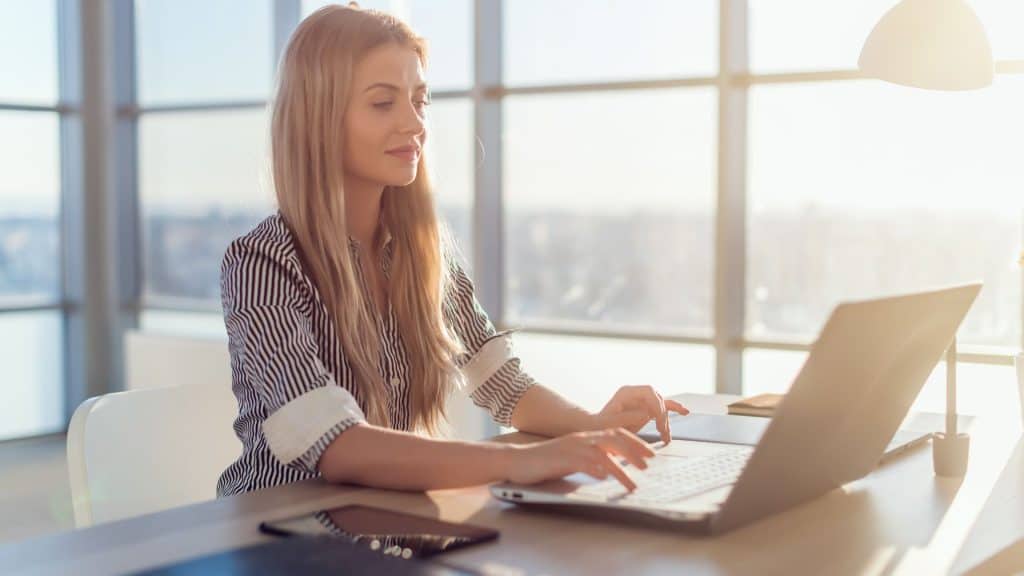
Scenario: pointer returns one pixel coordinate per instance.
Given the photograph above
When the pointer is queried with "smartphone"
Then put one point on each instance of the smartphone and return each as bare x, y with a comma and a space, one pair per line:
385, 531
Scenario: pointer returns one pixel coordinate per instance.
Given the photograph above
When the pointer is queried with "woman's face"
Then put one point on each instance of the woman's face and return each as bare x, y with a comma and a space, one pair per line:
385, 121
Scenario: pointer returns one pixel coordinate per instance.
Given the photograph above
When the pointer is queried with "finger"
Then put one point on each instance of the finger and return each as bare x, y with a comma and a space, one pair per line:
666, 430
616, 470
635, 441
632, 420
667, 438
652, 402
596, 471
656, 408
676, 407
635, 452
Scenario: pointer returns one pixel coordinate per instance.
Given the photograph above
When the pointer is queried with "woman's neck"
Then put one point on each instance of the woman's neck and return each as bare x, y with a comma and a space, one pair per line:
362, 210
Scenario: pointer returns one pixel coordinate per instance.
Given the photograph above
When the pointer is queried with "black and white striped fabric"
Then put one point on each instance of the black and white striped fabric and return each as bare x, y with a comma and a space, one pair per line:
294, 387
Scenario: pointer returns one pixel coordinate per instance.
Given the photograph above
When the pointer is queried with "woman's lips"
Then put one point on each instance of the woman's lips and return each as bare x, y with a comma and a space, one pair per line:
406, 154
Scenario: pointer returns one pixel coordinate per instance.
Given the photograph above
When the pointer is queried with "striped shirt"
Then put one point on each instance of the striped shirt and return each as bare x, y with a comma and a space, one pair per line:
296, 392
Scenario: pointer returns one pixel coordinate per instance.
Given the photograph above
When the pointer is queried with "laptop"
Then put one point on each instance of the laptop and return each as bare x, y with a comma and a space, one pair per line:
748, 430
844, 407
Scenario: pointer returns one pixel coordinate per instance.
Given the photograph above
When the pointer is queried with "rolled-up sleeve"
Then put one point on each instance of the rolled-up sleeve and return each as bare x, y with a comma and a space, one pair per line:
273, 347
494, 378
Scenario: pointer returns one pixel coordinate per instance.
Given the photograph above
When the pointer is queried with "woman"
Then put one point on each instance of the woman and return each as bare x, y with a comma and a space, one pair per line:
351, 323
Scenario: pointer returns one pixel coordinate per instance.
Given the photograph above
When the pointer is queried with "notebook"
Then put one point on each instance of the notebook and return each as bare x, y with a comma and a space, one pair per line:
760, 405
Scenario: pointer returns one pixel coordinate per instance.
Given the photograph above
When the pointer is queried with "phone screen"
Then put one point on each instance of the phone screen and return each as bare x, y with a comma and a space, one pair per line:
393, 533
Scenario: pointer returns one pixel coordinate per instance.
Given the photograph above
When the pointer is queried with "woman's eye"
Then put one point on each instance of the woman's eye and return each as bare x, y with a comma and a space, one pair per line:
382, 105
423, 103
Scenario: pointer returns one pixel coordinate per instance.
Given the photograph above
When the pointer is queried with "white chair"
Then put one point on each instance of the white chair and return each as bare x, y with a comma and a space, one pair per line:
142, 451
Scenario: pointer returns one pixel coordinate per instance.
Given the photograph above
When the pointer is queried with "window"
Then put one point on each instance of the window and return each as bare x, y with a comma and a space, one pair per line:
29, 55
200, 186
589, 370
29, 206
202, 139
31, 291
608, 115
449, 152
194, 51
609, 208
880, 190
567, 41
609, 138
858, 188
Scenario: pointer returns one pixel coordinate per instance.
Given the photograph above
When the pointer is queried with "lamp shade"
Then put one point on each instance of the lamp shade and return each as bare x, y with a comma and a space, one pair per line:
932, 44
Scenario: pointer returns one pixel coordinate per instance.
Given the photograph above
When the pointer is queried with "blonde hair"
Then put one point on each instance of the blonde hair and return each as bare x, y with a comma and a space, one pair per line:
313, 92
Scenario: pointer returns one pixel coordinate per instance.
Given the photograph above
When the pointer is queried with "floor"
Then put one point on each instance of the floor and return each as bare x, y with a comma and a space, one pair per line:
35, 498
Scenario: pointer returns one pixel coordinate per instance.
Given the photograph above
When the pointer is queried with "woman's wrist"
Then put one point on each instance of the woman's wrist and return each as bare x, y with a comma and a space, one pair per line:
593, 421
503, 459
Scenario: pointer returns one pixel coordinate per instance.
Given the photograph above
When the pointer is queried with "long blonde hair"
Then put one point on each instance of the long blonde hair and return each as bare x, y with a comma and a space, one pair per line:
313, 92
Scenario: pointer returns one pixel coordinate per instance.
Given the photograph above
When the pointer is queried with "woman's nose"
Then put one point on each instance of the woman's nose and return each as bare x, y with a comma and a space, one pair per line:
412, 121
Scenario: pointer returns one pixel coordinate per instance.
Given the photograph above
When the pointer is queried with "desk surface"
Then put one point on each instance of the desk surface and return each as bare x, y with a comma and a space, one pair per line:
899, 519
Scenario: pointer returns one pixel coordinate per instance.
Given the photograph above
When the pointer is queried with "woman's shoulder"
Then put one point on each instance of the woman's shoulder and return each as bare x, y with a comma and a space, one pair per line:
265, 258
270, 239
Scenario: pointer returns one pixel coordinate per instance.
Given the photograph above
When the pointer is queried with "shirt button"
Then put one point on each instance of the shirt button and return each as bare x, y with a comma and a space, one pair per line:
395, 381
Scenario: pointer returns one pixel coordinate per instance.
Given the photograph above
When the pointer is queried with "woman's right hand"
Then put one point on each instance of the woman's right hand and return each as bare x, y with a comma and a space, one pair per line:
593, 453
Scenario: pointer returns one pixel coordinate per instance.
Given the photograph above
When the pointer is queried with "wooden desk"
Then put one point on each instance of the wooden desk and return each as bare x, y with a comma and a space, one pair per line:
900, 519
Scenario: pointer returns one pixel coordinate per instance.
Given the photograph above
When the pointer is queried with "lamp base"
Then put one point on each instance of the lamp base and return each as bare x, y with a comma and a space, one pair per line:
949, 454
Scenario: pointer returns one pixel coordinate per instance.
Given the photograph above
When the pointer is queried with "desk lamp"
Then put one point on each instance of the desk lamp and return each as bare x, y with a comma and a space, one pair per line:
935, 45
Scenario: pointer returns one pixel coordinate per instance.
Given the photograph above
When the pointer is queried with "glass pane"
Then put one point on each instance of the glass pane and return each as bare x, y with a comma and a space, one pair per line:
201, 51
447, 26
31, 352
450, 153
28, 51
862, 189
770, 371
609, 202
201, 185
200, 324
780, 34
29, 204
588, 371
981, 388
566, 41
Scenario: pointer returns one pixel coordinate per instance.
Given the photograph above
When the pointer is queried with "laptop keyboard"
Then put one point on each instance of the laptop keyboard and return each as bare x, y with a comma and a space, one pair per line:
670, 478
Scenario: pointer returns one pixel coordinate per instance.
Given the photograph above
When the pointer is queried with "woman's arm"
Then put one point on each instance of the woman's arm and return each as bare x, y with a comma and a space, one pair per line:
544, 411
383, 458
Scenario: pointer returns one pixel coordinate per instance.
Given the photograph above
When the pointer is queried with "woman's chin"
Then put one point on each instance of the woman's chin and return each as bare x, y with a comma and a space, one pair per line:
402, 180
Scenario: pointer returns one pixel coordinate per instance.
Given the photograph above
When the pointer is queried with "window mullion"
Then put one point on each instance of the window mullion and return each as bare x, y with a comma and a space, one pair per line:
730, 215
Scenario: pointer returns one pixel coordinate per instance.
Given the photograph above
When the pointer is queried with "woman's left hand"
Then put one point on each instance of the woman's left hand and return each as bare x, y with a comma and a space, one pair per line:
634, 406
